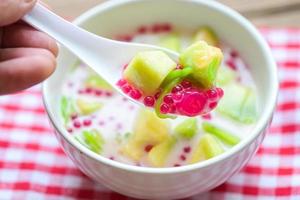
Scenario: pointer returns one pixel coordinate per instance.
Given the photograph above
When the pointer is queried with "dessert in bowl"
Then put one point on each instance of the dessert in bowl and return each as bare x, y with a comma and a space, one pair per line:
136, 153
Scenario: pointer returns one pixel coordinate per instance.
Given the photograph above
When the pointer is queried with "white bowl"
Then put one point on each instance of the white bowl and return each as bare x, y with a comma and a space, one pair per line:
180, 182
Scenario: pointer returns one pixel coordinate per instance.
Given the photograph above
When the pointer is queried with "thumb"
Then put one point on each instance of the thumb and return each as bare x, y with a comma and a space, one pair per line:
13, 10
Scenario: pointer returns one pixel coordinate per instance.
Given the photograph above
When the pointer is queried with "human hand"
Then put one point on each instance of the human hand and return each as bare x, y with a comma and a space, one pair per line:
27, 56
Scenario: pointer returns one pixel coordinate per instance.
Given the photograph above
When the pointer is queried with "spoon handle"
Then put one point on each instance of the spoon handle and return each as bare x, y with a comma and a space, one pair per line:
87, 46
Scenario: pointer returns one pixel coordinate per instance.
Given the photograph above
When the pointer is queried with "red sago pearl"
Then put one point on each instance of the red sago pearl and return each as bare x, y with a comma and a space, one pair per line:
89, 90
149, 101
220, 92
164, 108
187, 149
81, 91
87, 122
176, 165
177, 96
125, 66
177, 88
148, 148
168, 99
112, 158
213, 105
77, 124
135, 94
74, 116
207, 116
186, 84
98, 92
212, 94
178, 67
182, 157
126, 88
156, 28
142, 30
121, 82
157, 94
108, 93
166, 27
70, 130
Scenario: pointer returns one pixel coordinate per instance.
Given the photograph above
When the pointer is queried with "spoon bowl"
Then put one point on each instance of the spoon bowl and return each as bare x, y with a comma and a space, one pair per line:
105, 56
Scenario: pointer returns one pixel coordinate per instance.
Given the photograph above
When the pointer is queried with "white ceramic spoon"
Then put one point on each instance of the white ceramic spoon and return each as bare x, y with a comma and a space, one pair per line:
106, 57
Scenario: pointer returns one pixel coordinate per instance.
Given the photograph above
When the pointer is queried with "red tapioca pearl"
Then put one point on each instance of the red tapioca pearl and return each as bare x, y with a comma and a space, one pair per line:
176, 165
101, 123
177, 88
192, 103
81, 91
164, 108
182, 157
125, 66
149, 101
220, 92
187, 149
88, 90
177, 96
179, 67
142, 30
121, 82
135, 94
98, 92
206, 116
231, 64
148, 148
213, 105
166, 27
212, 94
127, 38
108, 93
156, 28
87, 122
234, 54
74, 116
157, 94
77, 124
70, 130
111, 158
186, 84
126, 88
168, 99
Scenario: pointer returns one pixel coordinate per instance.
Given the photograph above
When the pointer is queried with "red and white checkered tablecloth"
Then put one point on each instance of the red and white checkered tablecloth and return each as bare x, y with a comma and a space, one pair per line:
33, 166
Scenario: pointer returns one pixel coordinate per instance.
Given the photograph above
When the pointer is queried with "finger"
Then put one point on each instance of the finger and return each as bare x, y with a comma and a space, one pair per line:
13, 10
11, 53
20, 73
21, 35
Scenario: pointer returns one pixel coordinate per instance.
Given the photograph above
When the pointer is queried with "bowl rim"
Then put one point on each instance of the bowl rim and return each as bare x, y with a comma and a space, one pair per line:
259, 128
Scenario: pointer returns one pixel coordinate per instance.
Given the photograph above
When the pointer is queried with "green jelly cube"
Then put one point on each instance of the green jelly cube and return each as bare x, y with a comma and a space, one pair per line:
220, 133
225, 76
148, 129
208, 147
95, 81
205, 61
147, 70
208, 35
187, 129
238, 103
171, 41
159, 153
92, 139
88, 107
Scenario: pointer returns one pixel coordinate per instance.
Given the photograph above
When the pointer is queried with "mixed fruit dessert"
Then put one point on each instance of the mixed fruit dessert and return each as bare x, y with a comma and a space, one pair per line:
212, 120
187, 88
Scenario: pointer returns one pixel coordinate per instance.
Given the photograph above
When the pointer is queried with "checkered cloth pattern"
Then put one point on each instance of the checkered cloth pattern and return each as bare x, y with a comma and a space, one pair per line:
33, 166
